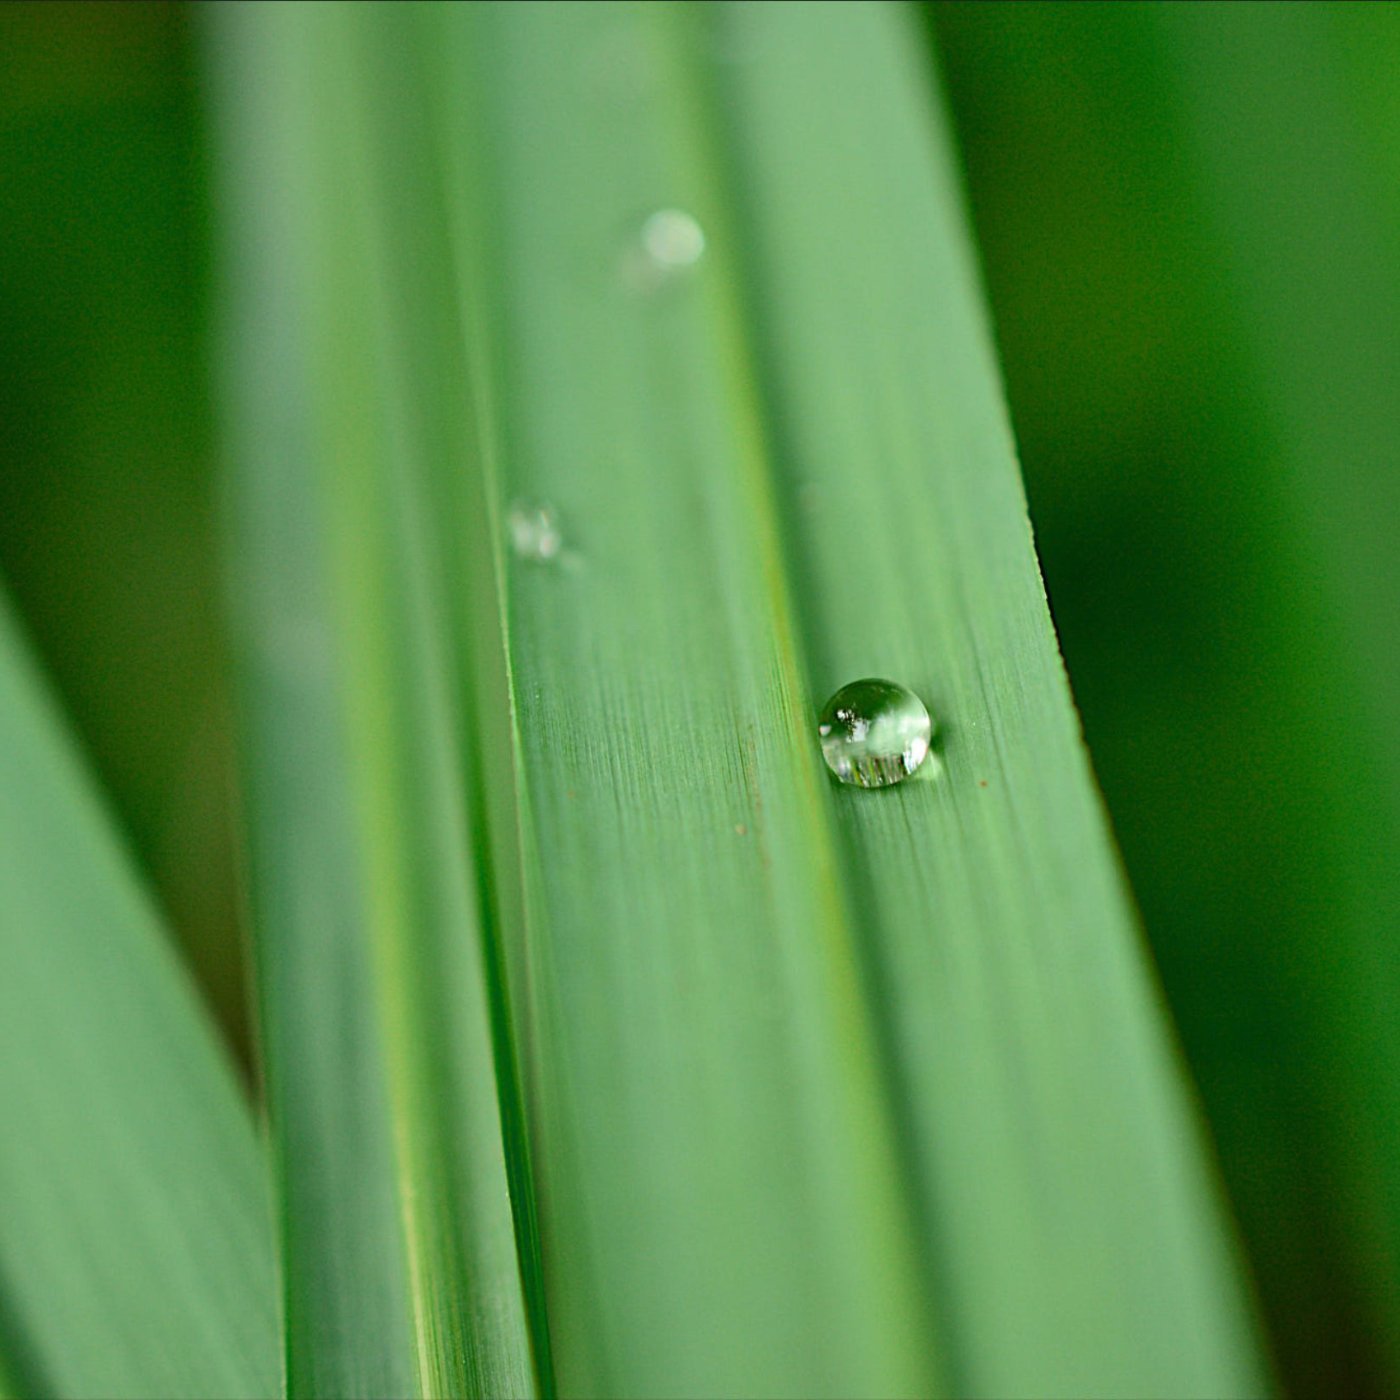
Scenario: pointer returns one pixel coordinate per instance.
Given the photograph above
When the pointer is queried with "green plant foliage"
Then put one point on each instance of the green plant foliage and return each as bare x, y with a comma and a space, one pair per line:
1188, 215
397, 1228
812, 1090
134, 1241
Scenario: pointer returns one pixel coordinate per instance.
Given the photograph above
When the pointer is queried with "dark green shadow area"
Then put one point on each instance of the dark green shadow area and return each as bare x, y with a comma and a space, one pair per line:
107, 535
1183, 213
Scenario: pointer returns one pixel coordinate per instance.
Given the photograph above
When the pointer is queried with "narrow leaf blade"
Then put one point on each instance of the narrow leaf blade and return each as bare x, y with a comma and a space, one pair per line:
135, 1242
399, 1228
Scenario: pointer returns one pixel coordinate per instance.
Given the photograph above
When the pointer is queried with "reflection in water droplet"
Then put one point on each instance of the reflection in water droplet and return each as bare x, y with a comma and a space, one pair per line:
671, 242
534, 531
874, 733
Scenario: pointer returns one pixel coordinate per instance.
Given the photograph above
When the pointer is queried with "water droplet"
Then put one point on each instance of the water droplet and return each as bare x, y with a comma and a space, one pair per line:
672, 239
534, 531
874, 733
671, 242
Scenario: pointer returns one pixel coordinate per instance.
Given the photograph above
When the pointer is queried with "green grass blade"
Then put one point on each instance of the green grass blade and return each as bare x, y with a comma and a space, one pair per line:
793, 1015
722, 1211
399, 1243
1003, 943
134, 1241
829, 1092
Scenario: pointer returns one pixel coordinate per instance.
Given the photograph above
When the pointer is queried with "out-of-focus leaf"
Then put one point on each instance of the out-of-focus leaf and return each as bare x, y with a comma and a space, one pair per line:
135, 1240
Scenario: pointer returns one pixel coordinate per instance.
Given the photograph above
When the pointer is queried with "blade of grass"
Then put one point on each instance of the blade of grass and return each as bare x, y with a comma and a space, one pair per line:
721, 1210
1002, 945
134, 1243
684, 1016
823, 1098
399, 1246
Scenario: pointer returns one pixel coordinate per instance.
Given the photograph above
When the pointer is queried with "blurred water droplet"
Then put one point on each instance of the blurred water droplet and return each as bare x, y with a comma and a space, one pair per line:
534, 531
672, 238
874, 733
671, 242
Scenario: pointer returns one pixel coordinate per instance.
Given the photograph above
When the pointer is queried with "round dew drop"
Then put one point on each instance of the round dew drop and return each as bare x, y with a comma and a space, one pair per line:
874, 733
534, 531
672, 239
665, 251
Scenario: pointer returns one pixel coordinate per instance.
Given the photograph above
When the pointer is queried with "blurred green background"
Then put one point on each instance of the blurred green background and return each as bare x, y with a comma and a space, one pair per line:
1189, 218
107, 488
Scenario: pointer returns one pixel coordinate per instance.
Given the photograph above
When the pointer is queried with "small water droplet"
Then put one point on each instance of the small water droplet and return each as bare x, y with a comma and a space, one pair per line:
672, 239
670, 243
534, 531
874, 733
